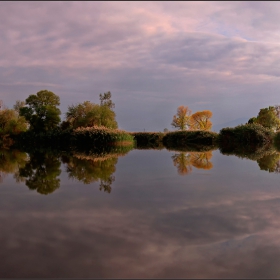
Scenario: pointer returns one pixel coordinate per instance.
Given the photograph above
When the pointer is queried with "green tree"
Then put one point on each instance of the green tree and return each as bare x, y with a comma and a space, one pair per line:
83, 114
105, 100
41, 110
19, 104
252, 120
267, 117
88, 114
277, 110
107, 115
11, 123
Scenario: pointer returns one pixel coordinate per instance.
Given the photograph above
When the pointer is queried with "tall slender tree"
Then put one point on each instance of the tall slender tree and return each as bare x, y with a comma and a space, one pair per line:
182, 119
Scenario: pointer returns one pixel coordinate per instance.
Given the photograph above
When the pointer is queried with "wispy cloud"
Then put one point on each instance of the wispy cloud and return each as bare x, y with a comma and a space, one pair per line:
188, 52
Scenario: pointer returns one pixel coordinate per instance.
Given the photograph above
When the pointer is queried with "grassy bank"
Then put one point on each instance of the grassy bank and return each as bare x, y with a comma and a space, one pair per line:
81, 138
249, 137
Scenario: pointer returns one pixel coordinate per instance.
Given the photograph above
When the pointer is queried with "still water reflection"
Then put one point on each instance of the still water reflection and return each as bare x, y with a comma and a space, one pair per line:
131, 214
185, 161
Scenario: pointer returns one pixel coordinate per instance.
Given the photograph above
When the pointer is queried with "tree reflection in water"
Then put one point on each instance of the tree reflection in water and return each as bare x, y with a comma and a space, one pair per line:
41, 170
10, 163
270, 163
184, 161
267, 156
41, 173
89, 169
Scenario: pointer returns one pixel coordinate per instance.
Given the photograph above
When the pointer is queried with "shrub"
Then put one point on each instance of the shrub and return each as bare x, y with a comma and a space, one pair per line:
245, 134
187, 137
147, 138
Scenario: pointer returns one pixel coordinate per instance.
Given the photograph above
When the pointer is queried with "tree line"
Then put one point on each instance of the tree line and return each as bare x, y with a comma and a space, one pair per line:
40, 113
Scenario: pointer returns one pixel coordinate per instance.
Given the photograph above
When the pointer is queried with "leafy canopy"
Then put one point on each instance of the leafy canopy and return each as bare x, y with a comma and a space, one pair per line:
41, 110
201, 120
268, 117
88, 114
11, 123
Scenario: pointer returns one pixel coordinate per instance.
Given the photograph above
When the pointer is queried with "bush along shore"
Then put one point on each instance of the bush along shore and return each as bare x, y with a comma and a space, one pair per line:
87, 138
248, 138
230, 140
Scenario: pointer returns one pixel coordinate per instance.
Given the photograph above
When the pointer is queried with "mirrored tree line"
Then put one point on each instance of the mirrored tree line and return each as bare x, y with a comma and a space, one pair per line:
40, 171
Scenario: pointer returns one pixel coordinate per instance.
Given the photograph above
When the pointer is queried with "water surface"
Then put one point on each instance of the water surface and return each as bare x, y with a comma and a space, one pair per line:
144, 214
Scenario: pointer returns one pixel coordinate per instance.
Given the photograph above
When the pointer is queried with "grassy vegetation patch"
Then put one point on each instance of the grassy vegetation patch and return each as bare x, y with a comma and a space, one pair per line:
147, 138
99, 135
188, 138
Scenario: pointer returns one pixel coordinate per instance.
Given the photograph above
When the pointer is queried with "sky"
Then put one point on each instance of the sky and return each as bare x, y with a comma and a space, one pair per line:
152, 56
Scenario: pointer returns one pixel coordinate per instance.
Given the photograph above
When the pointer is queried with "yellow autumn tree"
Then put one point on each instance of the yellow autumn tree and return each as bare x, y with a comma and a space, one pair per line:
201, 120
182, 119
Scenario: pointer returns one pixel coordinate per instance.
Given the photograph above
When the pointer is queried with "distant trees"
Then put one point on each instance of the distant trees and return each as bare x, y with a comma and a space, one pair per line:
268, 117
197, 121
41, 110
88, 114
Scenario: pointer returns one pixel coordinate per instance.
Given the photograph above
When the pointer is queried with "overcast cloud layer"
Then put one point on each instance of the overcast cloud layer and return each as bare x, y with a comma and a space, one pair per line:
152, 56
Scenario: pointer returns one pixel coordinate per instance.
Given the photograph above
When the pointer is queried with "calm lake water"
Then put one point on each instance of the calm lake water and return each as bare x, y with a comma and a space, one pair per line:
147, 214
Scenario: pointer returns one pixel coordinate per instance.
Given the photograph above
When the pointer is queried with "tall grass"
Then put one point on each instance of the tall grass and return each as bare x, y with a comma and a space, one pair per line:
99, 135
